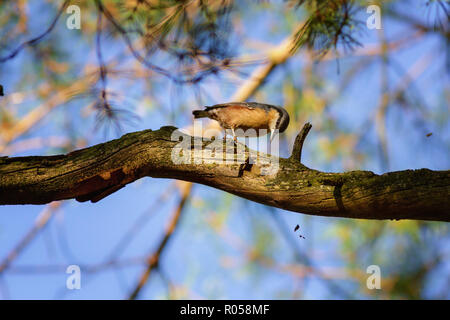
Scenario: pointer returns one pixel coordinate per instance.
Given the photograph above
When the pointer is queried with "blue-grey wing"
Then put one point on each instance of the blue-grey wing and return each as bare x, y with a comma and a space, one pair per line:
250, 105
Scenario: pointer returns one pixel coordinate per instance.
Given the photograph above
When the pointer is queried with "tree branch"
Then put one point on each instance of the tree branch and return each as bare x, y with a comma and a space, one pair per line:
39, 224
298, 144
101, 169
36, 40
154, 258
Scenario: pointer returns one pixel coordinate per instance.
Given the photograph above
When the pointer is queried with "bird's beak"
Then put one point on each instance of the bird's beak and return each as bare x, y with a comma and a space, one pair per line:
272, 134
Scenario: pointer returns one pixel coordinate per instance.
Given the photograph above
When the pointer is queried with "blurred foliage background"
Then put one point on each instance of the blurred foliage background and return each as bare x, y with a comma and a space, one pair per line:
378, 100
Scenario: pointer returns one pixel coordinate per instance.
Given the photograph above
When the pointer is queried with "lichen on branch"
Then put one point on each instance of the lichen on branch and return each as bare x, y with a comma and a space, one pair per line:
93, 173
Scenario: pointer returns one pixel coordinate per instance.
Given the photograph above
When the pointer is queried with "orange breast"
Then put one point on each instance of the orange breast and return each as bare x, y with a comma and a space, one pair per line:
239, 117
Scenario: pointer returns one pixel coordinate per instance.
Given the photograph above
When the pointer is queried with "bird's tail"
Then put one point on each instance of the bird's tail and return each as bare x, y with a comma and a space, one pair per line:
200, 114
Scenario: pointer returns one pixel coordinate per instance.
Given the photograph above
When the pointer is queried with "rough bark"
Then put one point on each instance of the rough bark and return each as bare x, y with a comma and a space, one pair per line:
95, 172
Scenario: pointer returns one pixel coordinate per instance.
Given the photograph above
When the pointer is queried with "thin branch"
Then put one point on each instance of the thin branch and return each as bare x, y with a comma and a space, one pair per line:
128, 41
38, 113
35, 40
138, 224
408, 19
167, 73
298, 144
98, 49
89, 269
154, 258
380, 118
40, 223
277, 56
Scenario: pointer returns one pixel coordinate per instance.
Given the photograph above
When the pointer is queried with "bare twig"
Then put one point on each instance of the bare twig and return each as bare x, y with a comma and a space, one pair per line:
37, 114
35, 40
380, 118
153, 259
40, 223
298, 144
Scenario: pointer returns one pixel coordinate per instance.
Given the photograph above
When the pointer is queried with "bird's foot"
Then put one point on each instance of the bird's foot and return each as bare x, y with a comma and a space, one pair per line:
246, 166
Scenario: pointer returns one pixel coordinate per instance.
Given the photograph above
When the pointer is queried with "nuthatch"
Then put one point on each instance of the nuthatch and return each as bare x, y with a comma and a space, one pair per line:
247, 115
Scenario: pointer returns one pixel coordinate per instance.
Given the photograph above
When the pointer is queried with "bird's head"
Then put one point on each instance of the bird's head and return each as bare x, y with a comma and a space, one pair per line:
283, 120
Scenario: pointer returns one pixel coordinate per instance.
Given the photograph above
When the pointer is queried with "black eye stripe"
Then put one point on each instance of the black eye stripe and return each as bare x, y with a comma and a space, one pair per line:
280, 116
